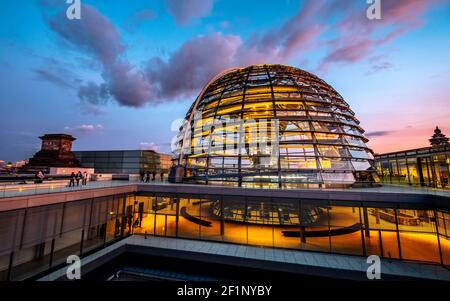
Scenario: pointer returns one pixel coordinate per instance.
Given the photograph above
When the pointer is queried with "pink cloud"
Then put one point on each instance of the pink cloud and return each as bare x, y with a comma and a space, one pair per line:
357, 35
85, 129
150, 146
186, 10
198, 59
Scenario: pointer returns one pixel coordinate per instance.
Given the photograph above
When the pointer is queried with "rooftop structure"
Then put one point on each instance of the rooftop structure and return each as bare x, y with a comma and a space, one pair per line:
272, 126
124, 161
426, 166
56, 151
438, 139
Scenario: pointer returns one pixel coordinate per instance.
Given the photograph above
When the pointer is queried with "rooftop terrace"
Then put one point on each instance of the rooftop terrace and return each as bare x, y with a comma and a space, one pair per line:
30, 195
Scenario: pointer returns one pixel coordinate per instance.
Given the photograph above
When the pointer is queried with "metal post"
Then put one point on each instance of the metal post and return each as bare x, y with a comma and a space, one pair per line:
11, 260
381, 243
398, 235
177, 217
82, 241
302, 228
366, 222
222, 223
437, 234
362, 233
52, 250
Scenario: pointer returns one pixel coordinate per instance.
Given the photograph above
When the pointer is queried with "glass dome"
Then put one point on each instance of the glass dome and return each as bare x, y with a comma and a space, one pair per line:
272, 126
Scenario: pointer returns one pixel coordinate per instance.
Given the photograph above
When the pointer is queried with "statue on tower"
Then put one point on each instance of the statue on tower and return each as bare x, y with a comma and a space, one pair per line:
56, 151
438, 139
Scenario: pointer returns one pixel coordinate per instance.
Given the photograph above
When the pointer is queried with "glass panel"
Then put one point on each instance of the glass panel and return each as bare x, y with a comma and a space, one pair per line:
403, 172
413, 173
372, 240
314, 229
211, 216
171, 226
315, 238
416, 220
147, 225
93, 238
260, 222
4, 264
69, 243
390, 244
189, 215
285, 216
30, 261
345, 230
234, 215
111, 232
160, 225
419, 246
443, 219
166, 205
380, 218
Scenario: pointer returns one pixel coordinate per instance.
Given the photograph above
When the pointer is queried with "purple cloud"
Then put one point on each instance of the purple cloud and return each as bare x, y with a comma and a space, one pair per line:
379, 67
56, 73
93, 109
377, 134
136, 19
50, 76
93, 93
98, 37
186, 10
191, 66
356, 33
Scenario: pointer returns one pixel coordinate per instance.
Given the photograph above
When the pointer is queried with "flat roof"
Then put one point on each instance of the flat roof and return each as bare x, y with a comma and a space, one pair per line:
298, 261
387, 195
415, 151
121, 150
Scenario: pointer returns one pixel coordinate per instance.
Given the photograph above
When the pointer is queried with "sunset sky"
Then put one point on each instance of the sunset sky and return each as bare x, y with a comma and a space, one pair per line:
117, 78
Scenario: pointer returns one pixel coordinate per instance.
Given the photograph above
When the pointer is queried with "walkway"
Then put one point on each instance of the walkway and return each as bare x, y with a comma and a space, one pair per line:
61, 186
350, 267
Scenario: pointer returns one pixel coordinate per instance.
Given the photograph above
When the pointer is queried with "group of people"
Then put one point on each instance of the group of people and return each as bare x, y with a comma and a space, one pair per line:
145, 176
39, 177
77, 177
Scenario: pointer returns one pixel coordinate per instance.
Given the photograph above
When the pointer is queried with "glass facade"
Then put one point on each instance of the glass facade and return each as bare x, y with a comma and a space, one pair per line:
428, 167
36, 239
404, 233
309, 135
124, 162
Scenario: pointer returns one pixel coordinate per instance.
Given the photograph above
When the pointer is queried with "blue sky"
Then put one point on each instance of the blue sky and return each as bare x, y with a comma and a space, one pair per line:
117, 78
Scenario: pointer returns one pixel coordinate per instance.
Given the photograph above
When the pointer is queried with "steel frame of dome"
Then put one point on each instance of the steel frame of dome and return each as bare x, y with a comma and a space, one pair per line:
320, 141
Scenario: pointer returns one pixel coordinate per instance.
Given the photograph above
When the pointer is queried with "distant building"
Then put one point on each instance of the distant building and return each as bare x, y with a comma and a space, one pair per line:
2, 163
56, 151
438, 139
20, 163
427, 166
124, 161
